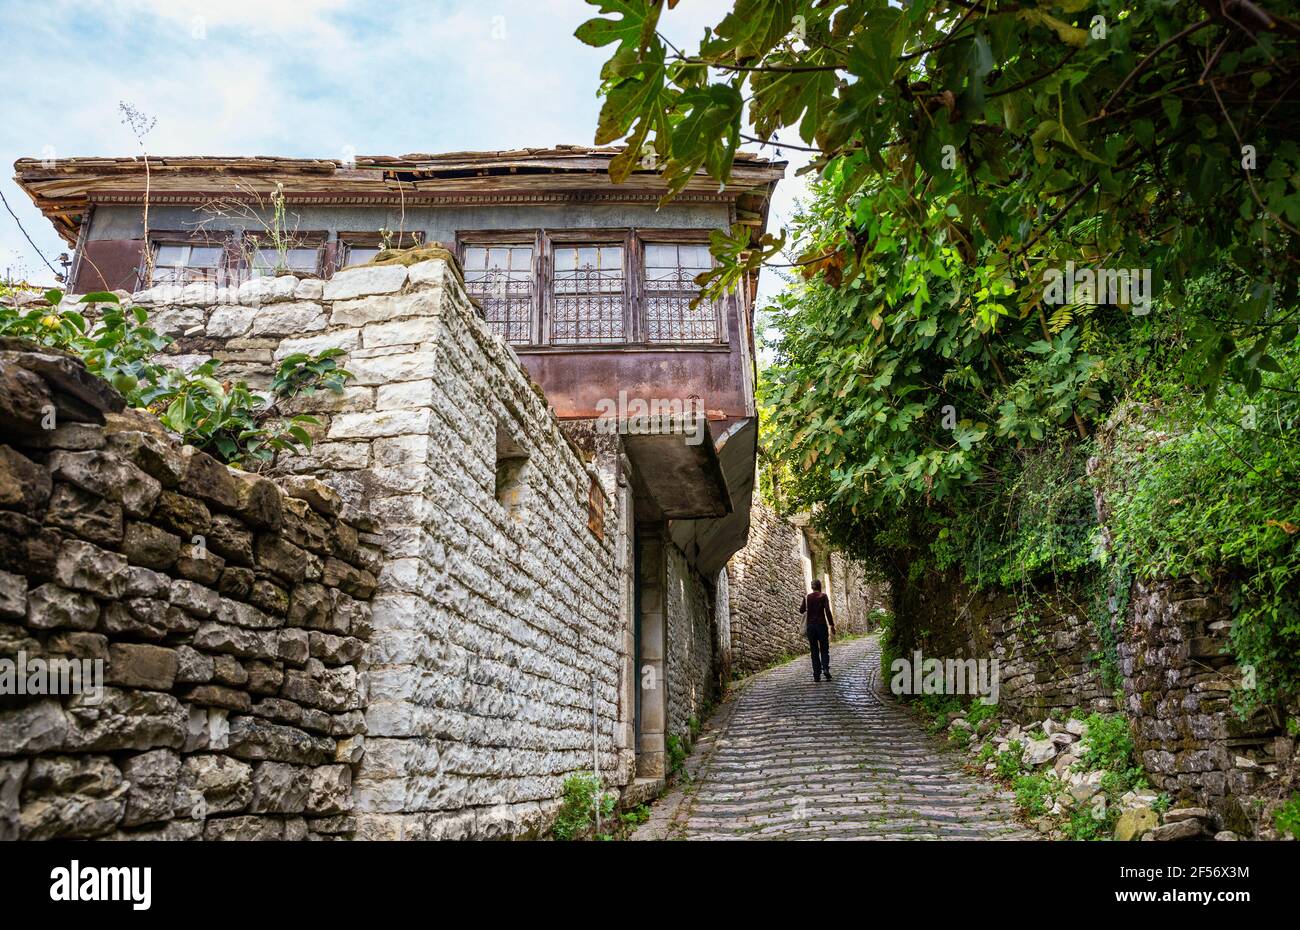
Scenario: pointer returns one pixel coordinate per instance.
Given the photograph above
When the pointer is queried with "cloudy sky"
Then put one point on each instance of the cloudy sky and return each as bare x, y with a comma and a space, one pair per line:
318, 78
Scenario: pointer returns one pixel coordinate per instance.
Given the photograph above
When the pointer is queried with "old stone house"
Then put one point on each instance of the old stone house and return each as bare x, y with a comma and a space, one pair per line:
542, 468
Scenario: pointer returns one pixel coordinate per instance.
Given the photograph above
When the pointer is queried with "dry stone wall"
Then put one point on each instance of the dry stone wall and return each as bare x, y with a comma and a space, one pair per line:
1175, 676
218, 620
498, 623
692, 663
1178, 676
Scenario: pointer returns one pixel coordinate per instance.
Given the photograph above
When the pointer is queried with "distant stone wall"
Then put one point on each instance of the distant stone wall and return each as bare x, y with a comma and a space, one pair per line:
693, 684
1175, 674
227, 614
766, 583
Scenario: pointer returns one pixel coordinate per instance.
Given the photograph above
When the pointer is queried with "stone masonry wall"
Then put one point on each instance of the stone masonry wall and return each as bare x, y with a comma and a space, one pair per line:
227, 614
1178, 677
496, 605
766, 581
1175, 674
693, 685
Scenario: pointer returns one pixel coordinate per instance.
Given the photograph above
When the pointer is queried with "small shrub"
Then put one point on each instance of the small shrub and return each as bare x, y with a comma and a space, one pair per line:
1287, 817
577, 812
676, 751
1107, 745
1009, 761
1034, 793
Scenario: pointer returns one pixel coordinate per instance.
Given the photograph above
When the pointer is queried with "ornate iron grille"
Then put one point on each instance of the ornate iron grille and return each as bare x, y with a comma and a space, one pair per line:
589, 304
669, 289
502, 280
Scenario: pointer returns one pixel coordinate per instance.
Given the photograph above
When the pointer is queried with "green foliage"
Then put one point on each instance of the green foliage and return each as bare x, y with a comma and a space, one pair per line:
1009, 761
224, 418
976, 146
676, 751
1035, 792
979, 711
581, 796
929, 394
1084, 824
1247, 532
1287, 817
1107, 744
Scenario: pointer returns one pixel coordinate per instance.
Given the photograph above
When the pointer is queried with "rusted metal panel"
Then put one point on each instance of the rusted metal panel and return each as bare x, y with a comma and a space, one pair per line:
108, 265
575, 382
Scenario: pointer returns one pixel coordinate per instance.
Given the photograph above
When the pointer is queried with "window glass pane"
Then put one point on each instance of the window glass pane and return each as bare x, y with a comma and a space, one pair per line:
172, 255
660, 256
205, 256
588, 258
359, 255
695, 256
302, 259
475, 258
566, 259
521, 259
498, 257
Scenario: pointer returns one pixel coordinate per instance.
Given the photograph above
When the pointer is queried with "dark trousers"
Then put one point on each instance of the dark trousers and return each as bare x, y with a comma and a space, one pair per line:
819, 645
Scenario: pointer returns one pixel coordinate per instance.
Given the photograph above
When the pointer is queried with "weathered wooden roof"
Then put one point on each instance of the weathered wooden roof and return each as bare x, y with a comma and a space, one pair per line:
63, 189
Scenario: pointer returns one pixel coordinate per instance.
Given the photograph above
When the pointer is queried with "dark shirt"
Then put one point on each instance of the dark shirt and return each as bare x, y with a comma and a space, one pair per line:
818, 608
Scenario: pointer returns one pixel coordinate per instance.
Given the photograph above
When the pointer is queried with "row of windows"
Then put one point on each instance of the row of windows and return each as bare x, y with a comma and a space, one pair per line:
586, 297
182, 262
590, 293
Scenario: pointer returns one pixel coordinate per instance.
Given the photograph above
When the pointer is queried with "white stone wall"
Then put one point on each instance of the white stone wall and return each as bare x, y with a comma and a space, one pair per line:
690, 667
489, 625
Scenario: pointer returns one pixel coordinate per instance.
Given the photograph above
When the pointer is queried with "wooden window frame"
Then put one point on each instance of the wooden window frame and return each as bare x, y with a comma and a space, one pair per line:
486, 238
646, 237
190, 237
336, 249
595, 236
318, 240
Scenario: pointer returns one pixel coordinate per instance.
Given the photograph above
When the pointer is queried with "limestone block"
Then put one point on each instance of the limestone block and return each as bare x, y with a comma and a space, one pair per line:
85, 567
345, 339
280, 788
138, 665
380, 423
229, 322
195, 599
67, 796
268, 289
378, 309
50, 606
24, 485
108, 475
288, 319
400, 332
125, 720
152, 778
405, 395
368, 279
36, 727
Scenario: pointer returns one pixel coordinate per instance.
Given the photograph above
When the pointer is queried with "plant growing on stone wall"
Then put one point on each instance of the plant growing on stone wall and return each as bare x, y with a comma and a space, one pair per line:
577, 813
224, 418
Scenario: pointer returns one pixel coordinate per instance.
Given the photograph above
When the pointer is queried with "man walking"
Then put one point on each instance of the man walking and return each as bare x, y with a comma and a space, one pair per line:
817, 606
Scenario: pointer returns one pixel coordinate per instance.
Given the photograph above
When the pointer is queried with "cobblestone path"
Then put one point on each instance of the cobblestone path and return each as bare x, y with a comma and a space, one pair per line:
790, 758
